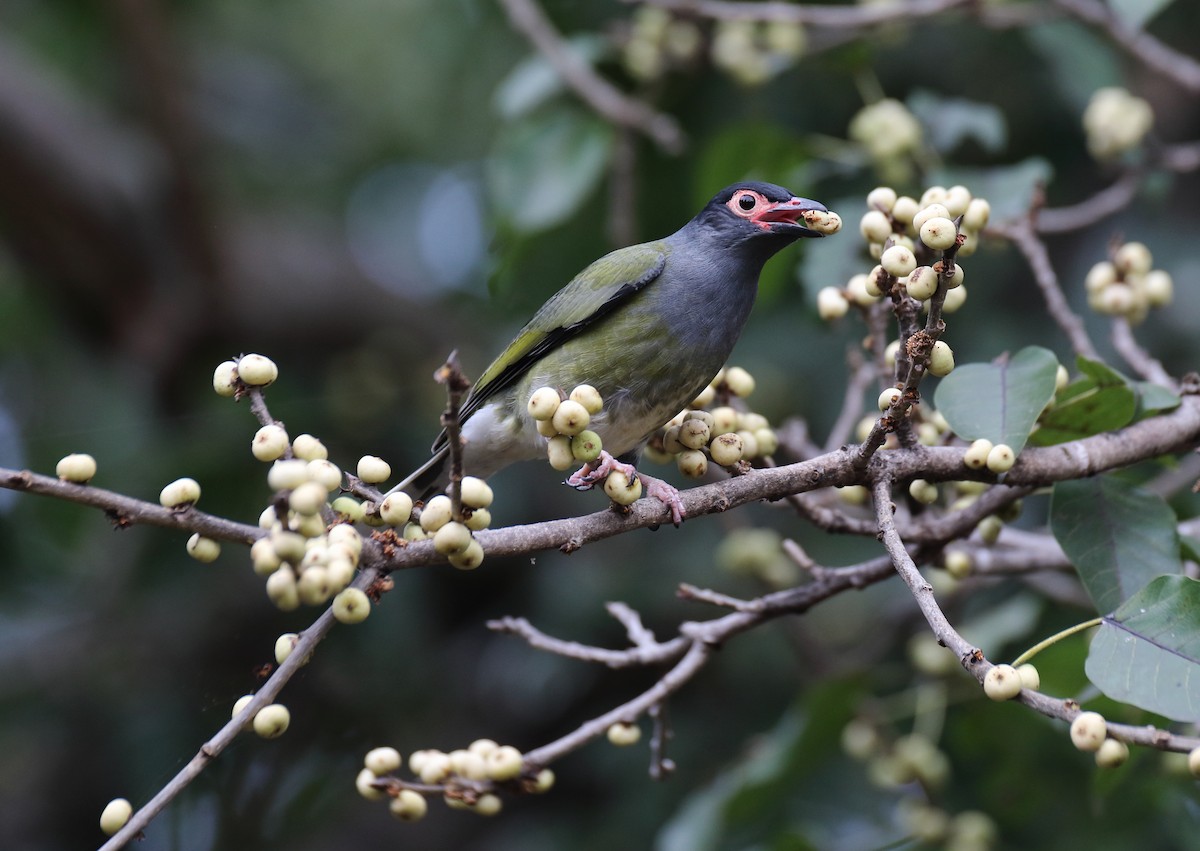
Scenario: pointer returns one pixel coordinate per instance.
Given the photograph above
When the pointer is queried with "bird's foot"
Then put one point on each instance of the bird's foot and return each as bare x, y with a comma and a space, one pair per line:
594, 472
665, 493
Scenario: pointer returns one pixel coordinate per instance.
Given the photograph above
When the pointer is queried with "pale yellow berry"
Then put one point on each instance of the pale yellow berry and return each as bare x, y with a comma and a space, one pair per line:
957, 200
921, 283
977, 215
543, 403
381, 761
750, 448
115, 815
264, 557
203, 549
313, 585
586, 446
726, 449
905, 209
289, 546
559, 453
225, 378
488, 804
452, 539
546, 427
544, 781
1100, 276
480, 518
589, 397
272, 721
1193, 762
468, 764
285, 475
898, 261
438, 511
956, 277
309, 448
878, 282
875, 226
1030, 678
882, 198
372, 469
1088, 731
347, 507
831, 304
725, 420
622, 489
705, 398
853, 494
1159, 288
257, 370
483, 747
941, 359
694, 433
957, 563
270, 443
468, 559
927, 212
396, 508
1001, 458
1133, 259
888, 397
977, 454
856, 290
623, 734
939, 233
1112, 753
308, 498
570, 418
822, 221
364, 783
922, 491
692, 463
475, 492
739, 381
954, 299
351, 605
240, 704
284, 645
1002, 682
504, 763
989, 529
933, 195
767, 441
77, 467
890, 351
180, 493
408, 805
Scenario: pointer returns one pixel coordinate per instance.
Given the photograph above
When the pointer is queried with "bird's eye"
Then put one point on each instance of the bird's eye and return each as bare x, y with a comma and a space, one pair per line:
747, 202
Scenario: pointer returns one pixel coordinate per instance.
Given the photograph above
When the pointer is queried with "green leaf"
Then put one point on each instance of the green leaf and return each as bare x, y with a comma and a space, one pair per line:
1153, 399
1008, 188
1101, 400
1147, 653
951, 121
1001, 400
1118, 536
533, 81
545, 166
1135, 14
1189, 548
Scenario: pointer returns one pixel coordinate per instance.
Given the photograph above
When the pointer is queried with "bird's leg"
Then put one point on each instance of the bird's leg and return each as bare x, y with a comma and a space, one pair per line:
593, 472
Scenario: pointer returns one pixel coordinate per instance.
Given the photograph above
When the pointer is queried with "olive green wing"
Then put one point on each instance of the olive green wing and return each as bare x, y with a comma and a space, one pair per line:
593, 294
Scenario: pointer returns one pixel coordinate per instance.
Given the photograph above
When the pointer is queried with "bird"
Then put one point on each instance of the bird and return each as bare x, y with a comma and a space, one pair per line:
648, 326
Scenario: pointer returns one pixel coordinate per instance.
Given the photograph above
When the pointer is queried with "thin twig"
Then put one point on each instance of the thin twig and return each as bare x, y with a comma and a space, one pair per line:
1140, 45
1137, 357
863, 375
1024, 237
531, 20
833, 17
450, 374
210, 750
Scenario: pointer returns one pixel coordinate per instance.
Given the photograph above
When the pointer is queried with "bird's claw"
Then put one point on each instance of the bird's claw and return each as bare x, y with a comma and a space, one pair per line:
594, 472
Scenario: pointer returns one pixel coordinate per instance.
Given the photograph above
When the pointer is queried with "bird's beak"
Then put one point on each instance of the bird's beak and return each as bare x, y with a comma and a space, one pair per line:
788, 215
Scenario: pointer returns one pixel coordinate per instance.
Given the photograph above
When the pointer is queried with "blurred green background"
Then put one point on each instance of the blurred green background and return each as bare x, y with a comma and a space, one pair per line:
357, 188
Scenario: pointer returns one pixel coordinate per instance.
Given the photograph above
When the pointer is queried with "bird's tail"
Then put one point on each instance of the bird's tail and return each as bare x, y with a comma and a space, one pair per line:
428, 479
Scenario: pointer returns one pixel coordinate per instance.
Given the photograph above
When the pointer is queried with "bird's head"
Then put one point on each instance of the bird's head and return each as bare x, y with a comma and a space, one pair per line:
754, 210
